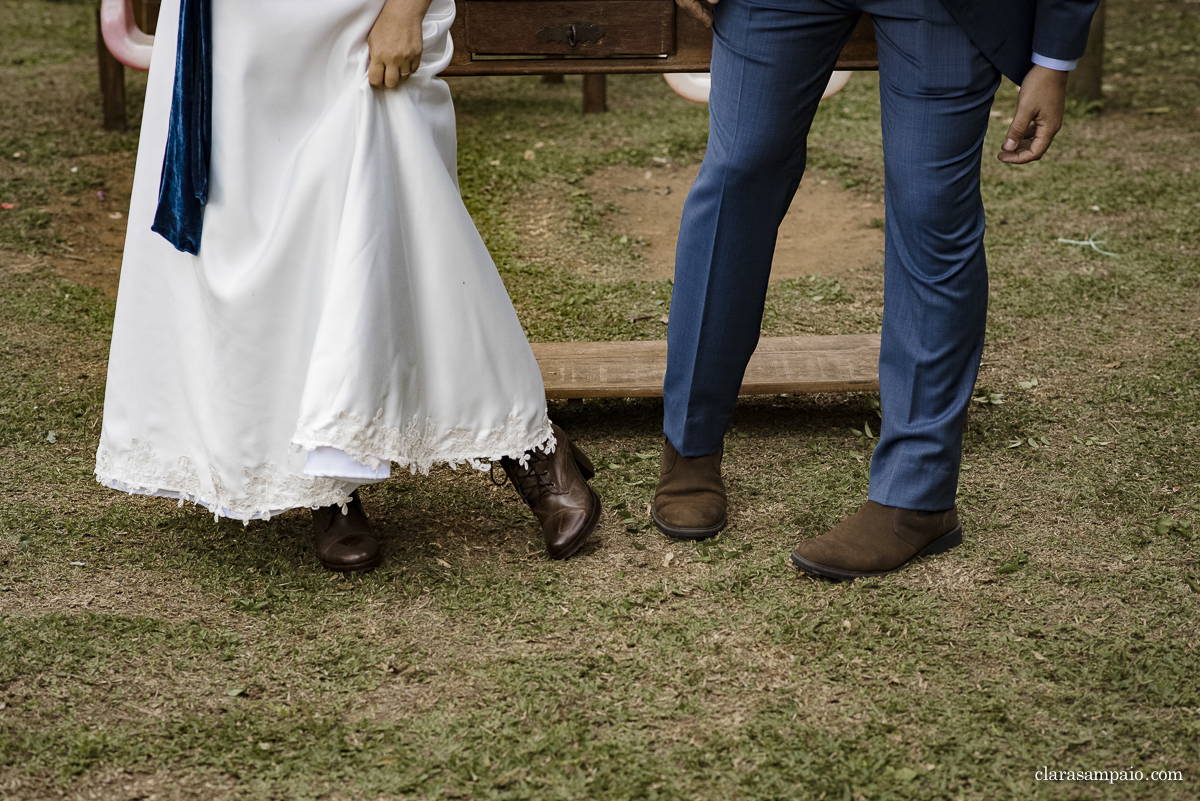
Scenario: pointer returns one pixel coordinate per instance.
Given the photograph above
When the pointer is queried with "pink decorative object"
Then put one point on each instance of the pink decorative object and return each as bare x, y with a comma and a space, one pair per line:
122, 36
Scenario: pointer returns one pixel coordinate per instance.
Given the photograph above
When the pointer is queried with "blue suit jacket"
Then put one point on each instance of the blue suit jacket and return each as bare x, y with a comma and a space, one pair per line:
1009, 32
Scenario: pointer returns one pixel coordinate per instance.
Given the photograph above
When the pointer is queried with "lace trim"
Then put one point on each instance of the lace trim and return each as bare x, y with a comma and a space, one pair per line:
418, 447
266, 491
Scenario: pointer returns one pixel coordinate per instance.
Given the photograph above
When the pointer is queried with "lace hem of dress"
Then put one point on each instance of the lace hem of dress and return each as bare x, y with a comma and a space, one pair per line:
418, 447
267, 490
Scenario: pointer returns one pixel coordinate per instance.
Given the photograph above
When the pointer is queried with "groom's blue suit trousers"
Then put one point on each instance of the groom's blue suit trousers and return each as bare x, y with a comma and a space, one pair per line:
771, 61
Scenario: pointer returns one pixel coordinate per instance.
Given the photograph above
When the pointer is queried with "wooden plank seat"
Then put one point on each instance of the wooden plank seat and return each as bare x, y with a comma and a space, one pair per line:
839, 363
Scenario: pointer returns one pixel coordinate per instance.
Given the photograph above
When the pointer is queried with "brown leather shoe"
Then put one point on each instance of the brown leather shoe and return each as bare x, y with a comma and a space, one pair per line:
556, 489
346, 542
689, 502
877, 539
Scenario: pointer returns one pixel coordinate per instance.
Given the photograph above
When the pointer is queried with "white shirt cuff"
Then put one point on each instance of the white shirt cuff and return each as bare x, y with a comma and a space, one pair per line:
1054, 63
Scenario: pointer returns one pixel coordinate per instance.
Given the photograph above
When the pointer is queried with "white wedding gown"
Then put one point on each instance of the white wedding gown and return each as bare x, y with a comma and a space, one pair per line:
343, 313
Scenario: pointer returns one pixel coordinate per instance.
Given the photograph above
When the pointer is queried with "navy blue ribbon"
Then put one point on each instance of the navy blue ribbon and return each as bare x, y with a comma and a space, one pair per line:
183, 190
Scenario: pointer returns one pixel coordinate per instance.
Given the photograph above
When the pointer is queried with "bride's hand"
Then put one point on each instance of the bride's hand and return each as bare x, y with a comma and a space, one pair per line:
395, 42
700, 9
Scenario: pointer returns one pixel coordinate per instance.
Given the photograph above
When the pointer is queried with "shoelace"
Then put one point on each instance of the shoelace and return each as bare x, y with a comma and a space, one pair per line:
529, 482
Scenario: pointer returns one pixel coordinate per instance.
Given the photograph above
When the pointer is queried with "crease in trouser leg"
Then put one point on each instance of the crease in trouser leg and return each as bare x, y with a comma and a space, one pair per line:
762, 104
935, 270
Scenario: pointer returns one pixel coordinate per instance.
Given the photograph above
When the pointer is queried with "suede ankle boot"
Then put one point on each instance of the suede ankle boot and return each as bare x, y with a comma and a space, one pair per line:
689, 502
877, 539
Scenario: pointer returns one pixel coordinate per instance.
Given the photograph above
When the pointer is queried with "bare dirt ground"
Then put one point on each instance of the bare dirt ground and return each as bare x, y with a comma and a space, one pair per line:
826, 230
94, 225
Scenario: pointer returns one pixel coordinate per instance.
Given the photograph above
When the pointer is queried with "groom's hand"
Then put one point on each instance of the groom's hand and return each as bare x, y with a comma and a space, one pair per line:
1038, 118
700, 9
395, 42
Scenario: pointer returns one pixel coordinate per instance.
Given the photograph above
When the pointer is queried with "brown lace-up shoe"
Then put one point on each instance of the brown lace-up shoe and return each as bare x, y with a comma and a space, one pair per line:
556, 489
346, 542
877, 539
689, 502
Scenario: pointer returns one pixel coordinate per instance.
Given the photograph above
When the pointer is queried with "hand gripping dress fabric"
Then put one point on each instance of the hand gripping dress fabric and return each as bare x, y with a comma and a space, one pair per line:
342, 300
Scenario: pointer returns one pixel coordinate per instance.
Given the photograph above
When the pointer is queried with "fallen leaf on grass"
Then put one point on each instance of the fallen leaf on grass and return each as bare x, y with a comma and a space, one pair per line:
1018, 561
1168, 525
443, 563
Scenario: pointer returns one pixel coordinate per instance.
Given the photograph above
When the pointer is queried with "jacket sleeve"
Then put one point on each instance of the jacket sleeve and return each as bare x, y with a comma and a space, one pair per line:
1060, 29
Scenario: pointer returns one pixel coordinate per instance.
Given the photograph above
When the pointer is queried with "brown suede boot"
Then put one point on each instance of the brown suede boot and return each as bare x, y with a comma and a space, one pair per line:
689, 502
346, 542
556, 489
877, 539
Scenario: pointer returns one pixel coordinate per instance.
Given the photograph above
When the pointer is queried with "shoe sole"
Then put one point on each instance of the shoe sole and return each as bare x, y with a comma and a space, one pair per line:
588, 528
679, 533
942, 544
359, 568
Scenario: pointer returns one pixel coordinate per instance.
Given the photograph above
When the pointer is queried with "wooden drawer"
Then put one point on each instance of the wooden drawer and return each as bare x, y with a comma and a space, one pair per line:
587, 28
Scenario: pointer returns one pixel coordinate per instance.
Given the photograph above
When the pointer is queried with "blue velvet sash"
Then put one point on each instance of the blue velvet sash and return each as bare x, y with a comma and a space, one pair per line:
183, 190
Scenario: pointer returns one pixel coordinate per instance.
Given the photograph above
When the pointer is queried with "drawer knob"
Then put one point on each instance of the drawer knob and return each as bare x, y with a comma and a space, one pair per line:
570, 35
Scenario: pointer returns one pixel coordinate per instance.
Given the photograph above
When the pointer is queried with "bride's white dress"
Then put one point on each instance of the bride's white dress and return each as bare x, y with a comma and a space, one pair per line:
343, 313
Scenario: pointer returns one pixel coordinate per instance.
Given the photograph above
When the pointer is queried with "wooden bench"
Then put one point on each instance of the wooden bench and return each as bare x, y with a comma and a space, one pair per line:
593, 38
843, 363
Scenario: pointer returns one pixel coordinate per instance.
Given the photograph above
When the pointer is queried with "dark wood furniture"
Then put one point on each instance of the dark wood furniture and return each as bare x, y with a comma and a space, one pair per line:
595, 38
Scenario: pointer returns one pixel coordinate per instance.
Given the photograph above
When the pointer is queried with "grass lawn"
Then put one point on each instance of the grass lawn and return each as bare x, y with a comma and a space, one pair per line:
148, 652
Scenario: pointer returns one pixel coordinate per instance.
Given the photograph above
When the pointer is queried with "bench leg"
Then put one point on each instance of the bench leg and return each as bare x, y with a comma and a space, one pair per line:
112, 83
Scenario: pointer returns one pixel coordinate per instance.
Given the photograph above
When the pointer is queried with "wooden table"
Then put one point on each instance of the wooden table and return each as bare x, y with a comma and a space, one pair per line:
594, 38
